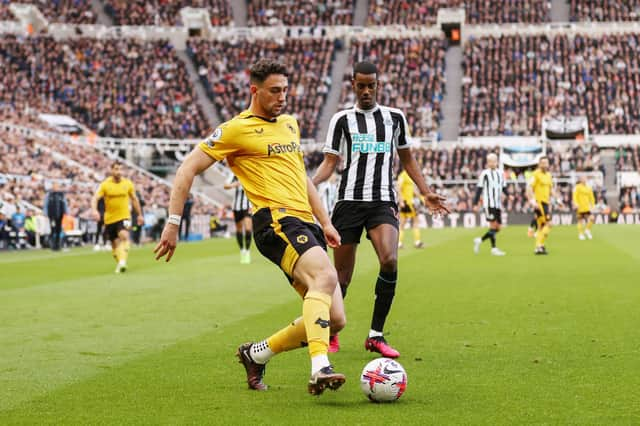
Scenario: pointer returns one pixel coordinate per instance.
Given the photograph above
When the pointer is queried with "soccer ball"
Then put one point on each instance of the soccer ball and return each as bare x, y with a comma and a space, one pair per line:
383, 380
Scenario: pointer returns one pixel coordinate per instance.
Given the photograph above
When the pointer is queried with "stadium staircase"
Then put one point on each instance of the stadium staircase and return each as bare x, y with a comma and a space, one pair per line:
205, 103
239, 9
360, 15
452, 100
559, 11
609, 162
103, 18
338, 68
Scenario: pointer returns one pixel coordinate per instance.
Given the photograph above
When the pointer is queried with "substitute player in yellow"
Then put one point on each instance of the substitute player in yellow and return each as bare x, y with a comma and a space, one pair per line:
262, 148
583, 202
406, 189
539, 194
117, 191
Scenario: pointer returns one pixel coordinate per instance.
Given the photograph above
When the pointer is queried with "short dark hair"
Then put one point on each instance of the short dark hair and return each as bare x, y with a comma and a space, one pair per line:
115, 164
542, 157
364, 67
264, 68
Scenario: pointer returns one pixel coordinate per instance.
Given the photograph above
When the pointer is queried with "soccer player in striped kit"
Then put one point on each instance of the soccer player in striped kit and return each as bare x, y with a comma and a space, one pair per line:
367, 136
242, 219
491, 184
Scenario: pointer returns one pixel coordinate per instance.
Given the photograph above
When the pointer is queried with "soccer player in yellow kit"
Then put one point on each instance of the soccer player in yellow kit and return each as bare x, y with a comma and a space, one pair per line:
262, 148
539, 193
406, 188
116, 192
584, 201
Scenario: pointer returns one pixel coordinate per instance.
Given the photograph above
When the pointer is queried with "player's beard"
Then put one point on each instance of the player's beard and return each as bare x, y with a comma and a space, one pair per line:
275, 111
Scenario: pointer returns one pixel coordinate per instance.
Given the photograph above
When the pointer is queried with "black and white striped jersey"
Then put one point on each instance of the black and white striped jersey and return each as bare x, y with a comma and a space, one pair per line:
366, 141
328, 192
492, 183
240, 200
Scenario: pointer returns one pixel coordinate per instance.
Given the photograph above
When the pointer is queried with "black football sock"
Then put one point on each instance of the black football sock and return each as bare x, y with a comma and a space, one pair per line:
239, 240
247, 239
385, 290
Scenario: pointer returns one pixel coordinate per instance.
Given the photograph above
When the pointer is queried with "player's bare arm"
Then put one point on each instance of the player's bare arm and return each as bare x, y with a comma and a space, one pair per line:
434, 202
231, 185
136, 207
94, 207
330, 233
195, 163
326, 168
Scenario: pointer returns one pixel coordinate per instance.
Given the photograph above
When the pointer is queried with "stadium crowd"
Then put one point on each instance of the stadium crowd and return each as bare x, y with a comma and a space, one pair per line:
223, 67
300, 13
604, 10
59, 11
412, 13
165, 12
120, 88
511, 82
411, 78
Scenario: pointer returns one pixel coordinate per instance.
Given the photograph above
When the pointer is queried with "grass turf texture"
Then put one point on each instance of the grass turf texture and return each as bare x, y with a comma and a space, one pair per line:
484, 340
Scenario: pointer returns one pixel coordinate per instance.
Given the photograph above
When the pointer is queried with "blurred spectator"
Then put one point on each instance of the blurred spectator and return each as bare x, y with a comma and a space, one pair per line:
300, 12
120, 88
55, 207
4, 232
165, 12
58, 11
604, 10
411, 78
18, 219
224, 70
413, 13
511, 82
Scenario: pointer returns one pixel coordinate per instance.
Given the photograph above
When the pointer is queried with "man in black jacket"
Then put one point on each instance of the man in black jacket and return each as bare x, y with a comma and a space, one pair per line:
55, 206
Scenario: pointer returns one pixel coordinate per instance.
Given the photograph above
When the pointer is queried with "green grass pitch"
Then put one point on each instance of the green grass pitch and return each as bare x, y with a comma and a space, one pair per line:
485, 340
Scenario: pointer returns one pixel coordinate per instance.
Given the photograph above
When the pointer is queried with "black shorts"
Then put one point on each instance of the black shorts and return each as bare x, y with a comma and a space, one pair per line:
238, 215
493, 214
351, 217
543, 212
284, 240
111, 230
584, 215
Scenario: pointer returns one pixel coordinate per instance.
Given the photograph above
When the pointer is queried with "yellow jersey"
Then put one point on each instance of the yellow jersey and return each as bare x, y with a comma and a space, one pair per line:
583, 198
116, 199
541, 183
266, 157
406, 187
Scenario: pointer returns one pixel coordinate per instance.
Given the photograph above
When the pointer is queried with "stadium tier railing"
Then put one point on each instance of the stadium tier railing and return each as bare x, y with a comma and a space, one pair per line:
91, 141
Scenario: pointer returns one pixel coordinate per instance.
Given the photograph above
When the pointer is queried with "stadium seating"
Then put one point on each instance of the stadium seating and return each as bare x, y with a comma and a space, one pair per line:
303, 13
120, 88
58, 11
411, 78
165, 12
412, 13
511, 82
604, 10
628, 158
223, 67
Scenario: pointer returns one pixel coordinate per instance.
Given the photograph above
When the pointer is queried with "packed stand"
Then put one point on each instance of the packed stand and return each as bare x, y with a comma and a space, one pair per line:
224, 69
165, 12
511, 82
120, 88
300, 13
59, 11
411, 78
414, 13
628, 158
604, 10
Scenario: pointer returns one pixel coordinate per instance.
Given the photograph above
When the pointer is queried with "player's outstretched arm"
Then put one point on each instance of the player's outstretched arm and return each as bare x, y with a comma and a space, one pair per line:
94, 205
195, 163
326, 168
434, 202
330, 233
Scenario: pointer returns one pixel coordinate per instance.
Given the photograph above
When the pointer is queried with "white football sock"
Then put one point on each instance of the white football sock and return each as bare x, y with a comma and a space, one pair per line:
260, 352
374, 333
319, 362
